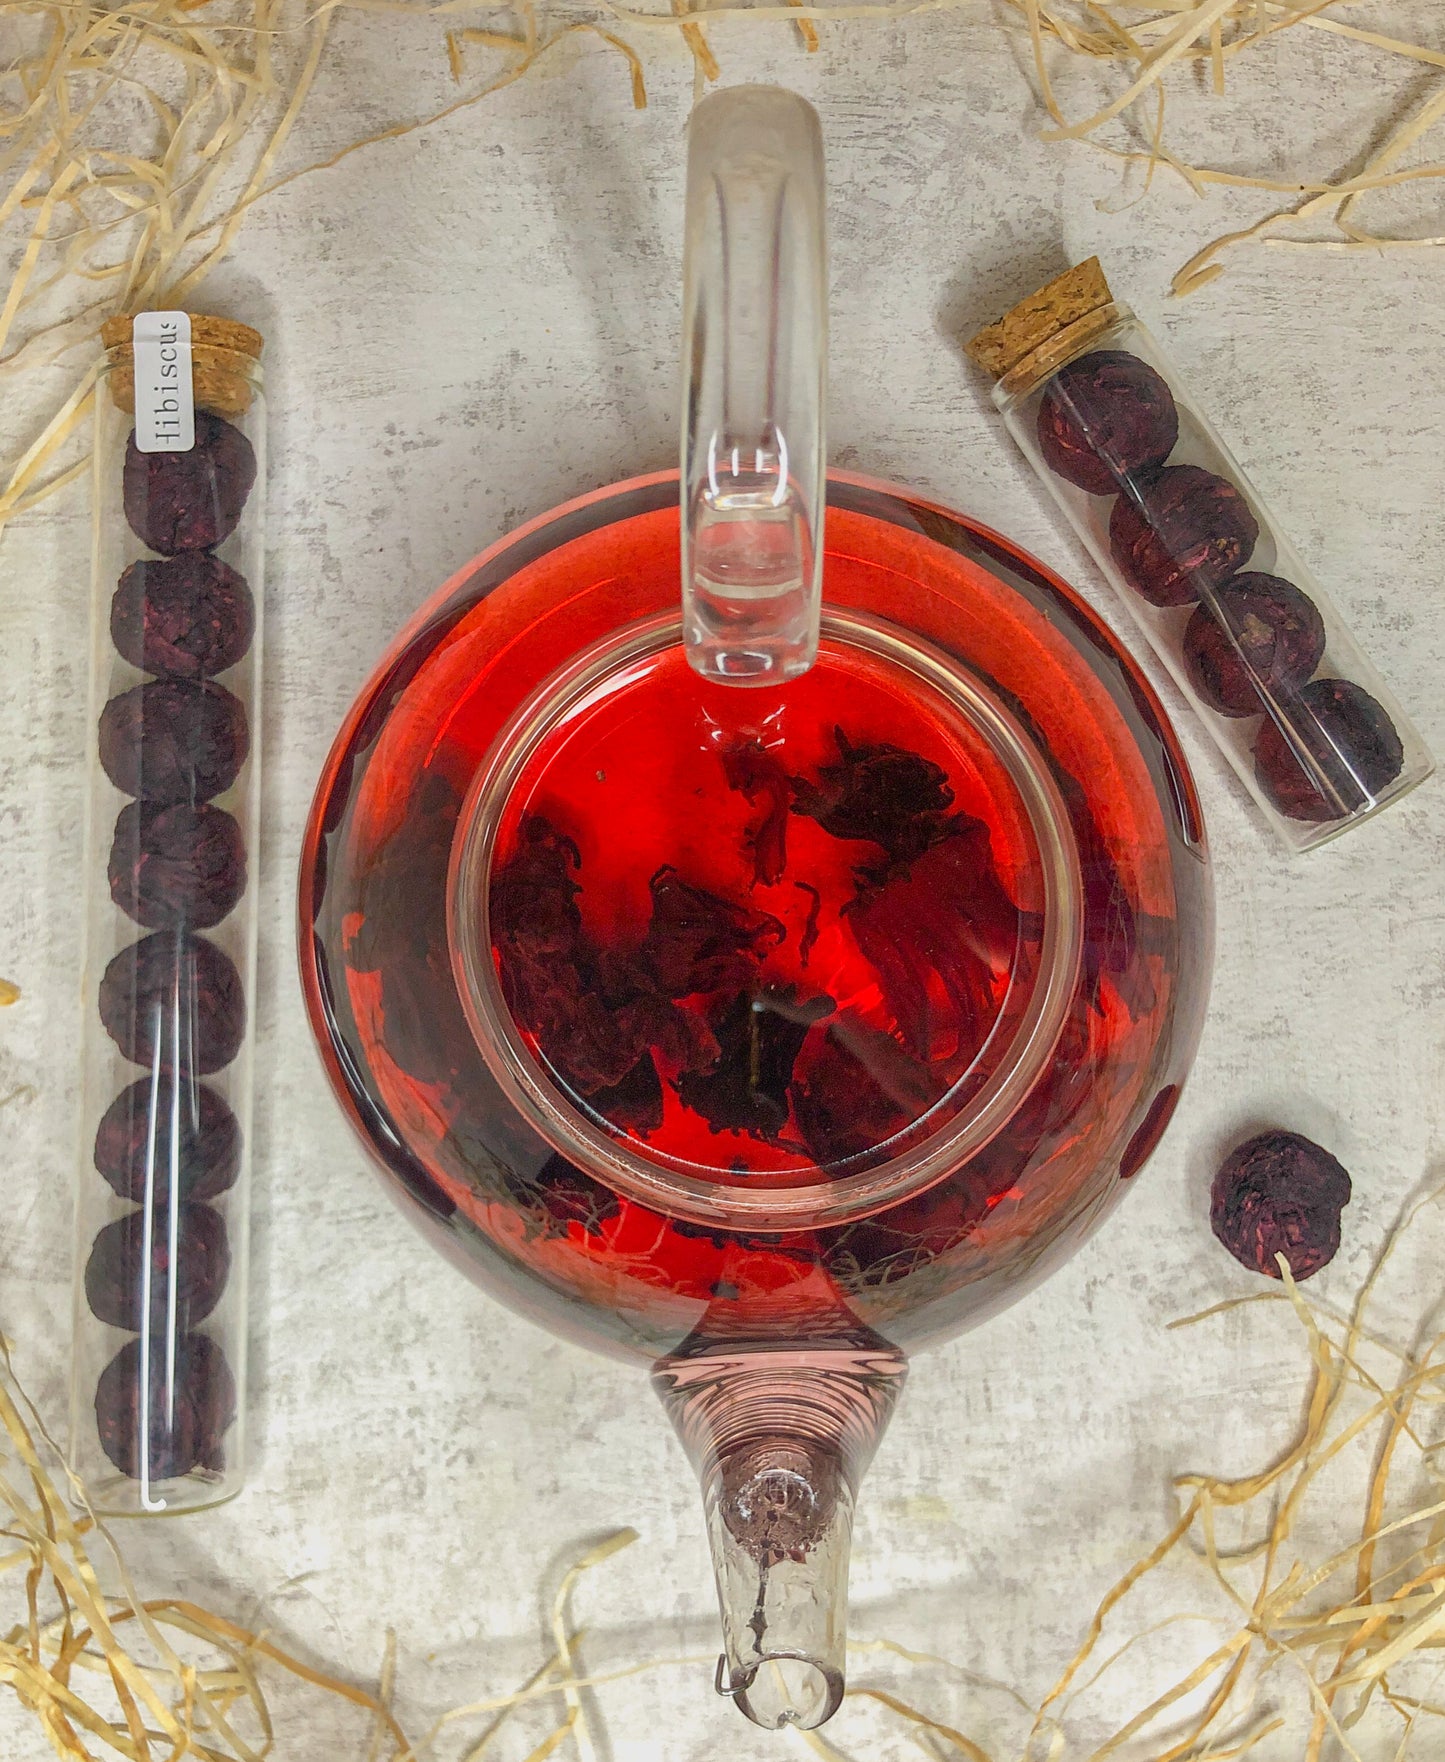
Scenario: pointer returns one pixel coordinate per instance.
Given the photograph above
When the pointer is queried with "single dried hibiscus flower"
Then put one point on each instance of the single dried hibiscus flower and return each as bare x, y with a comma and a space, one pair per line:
174, 1001
1279, 1193
189, 501
1265, 632
191, 1278
1350, 739
174, 740
189, 1400
174, 864
184, 617
1106, 417
698, 941
881, 793
150, 1134
1179, 528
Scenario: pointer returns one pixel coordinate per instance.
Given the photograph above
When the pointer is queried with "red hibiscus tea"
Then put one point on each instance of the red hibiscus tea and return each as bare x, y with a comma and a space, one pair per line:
676, 1005
763, 932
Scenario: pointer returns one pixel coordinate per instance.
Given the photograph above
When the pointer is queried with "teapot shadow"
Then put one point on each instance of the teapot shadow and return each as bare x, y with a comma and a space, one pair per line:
998, 274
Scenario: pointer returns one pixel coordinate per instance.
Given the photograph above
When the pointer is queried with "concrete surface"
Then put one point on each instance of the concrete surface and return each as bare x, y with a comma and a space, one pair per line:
474, 323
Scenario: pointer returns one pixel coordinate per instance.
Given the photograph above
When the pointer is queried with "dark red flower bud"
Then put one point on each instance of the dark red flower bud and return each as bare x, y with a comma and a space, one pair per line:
189, 1280
1280, 640
174, 740
698, 941
156, 1130
189, 501
1105, 418
185, 617
186, 1418
174, 1001
174, 866
1280, 1194
895, 799
1351, 739
1178, 528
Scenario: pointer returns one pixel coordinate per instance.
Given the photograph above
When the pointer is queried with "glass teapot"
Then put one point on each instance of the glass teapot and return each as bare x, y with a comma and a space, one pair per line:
754, 950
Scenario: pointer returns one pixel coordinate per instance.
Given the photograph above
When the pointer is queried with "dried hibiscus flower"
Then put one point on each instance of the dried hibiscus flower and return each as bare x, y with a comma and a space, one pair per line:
1104, 418
1265, 631
759, 1035
174, 1001
189, 501
533, 898
937, 934
752, 770
634, 1104
859, 1089
175, 864
184, 617
595, 1016
174, 740
1178, 528
1350, 738
115, 1272
893, 798
547, 967
150, 1134
188, 1395
1280, 1194
698, 941
536, 931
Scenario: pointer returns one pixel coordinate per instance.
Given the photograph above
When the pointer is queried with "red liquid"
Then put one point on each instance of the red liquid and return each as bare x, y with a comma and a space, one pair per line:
879, 978
549, 1237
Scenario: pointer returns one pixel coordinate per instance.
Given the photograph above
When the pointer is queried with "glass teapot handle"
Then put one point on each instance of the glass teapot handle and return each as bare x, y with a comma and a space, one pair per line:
754, 352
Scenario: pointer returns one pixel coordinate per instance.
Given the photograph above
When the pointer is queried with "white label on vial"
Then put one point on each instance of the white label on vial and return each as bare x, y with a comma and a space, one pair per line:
165, 412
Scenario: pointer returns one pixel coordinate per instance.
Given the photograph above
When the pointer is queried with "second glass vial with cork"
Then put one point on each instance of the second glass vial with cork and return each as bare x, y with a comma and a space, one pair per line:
1215, 586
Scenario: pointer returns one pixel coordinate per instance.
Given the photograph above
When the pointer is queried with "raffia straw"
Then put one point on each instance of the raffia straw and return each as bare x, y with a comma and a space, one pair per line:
226, 87
385, 1690
1148, 44
577, 1716
1388, 1616
226, 83
1388, 1613
165, 1705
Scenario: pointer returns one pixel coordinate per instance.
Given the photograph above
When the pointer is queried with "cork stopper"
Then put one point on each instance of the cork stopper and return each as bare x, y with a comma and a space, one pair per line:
1076, 294
224, 354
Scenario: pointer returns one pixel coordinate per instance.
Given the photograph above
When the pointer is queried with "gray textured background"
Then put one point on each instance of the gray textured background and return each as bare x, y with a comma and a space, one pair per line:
472, 324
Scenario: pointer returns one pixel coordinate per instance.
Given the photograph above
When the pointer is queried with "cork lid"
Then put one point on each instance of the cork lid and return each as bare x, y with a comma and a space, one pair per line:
1072, 296
224, 354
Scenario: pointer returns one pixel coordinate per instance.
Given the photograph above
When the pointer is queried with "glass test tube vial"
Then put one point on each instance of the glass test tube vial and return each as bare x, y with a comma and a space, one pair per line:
159, 1344
1216, 588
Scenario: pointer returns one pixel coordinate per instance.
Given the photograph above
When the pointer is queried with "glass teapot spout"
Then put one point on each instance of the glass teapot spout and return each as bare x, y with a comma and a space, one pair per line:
754, 353
779, 1437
